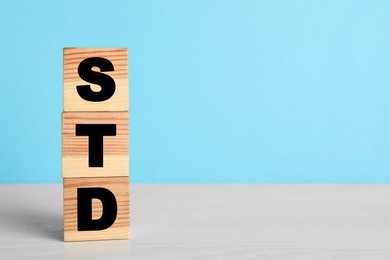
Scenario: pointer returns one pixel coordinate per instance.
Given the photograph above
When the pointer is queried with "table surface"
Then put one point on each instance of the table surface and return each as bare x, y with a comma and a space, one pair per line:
210, 222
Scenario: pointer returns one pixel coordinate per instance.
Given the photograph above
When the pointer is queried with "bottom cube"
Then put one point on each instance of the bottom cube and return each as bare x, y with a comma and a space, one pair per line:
96, 208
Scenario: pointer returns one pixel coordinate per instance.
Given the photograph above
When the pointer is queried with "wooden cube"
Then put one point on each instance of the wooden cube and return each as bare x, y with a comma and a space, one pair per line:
76, 61
79, 148
98, 208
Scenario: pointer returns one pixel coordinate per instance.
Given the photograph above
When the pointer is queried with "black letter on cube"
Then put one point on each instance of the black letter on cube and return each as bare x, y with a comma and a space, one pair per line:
84, 209
95, 132
106, 83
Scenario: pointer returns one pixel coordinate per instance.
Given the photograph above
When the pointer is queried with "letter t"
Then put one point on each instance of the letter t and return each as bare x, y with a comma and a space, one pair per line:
95, 132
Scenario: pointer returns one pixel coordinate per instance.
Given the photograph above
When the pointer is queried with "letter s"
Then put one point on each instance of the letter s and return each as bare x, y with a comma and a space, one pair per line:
103, 80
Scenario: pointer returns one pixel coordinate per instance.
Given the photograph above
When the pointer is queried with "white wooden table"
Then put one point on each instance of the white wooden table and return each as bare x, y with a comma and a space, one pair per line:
210, 222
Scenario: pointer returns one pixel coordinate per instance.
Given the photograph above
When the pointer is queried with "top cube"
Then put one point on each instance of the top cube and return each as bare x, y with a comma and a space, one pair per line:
95, 79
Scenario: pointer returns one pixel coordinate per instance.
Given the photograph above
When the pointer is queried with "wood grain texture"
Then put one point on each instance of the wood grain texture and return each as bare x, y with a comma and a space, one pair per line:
72, 59
119, 186
75, 148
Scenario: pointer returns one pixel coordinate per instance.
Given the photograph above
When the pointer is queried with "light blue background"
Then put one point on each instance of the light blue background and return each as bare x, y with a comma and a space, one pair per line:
221, 91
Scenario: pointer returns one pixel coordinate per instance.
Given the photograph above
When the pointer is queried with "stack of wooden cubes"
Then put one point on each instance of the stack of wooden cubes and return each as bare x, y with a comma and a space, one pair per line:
95, 144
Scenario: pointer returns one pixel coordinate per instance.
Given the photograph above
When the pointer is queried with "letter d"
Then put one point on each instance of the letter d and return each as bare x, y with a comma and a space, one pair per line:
84, 209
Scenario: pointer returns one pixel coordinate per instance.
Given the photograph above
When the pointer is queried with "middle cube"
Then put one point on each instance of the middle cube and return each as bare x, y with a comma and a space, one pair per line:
95, 144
